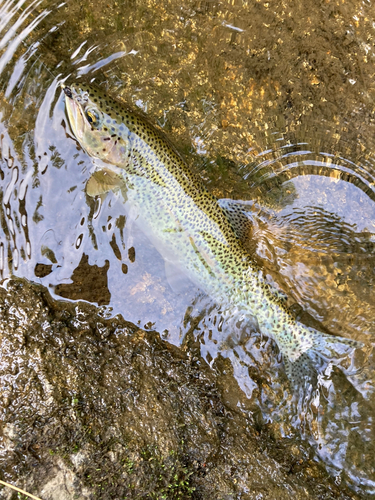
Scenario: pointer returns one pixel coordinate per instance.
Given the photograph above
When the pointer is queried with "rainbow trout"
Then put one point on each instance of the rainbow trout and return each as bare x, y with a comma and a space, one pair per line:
190, 227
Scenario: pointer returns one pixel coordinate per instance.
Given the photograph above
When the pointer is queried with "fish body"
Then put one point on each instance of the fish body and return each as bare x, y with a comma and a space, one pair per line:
188, 225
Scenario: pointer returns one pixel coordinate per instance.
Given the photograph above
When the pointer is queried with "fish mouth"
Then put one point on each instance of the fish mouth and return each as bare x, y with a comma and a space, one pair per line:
74, 110
68, 92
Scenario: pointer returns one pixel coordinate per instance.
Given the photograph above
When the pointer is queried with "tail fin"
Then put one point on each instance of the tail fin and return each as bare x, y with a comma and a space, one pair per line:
325, 351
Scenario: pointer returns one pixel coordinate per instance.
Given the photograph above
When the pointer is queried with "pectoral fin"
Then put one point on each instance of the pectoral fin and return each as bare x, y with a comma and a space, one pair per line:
103, 181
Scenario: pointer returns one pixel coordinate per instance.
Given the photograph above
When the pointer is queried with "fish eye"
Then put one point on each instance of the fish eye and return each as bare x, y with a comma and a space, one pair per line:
93, 117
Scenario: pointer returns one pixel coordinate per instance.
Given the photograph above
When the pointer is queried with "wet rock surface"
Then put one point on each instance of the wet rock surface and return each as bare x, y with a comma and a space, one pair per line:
95, 407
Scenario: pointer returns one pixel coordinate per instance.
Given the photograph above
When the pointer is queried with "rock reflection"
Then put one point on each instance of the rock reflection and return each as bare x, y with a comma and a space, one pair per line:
88, 283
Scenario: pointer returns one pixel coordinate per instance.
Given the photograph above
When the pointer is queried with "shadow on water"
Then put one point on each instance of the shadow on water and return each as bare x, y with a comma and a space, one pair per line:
271, 105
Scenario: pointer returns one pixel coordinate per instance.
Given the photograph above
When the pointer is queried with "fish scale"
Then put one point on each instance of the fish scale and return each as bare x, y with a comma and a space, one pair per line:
188, 225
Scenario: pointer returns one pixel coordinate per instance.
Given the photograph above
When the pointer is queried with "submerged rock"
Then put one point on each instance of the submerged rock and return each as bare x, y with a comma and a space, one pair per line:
95, 407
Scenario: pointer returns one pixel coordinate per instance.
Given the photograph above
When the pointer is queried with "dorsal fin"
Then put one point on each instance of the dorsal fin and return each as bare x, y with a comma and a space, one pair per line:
240, 220
242, 217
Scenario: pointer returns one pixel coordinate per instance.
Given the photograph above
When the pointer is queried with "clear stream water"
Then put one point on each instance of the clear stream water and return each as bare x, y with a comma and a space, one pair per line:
272, 104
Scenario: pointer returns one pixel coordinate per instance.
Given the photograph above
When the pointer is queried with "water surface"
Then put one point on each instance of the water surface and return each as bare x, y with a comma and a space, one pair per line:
272, 105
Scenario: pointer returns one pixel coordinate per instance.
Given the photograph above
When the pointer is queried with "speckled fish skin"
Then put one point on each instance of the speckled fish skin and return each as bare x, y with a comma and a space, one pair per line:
186, 222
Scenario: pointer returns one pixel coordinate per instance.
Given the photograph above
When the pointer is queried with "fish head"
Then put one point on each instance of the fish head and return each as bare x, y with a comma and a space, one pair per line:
98, 123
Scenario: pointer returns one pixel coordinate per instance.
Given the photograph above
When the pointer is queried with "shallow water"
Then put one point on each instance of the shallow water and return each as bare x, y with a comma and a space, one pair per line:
271, 105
